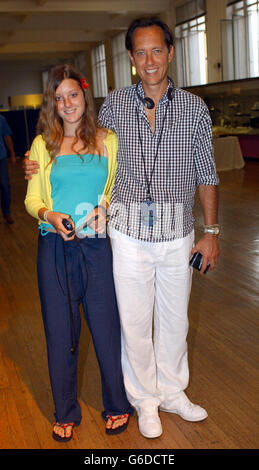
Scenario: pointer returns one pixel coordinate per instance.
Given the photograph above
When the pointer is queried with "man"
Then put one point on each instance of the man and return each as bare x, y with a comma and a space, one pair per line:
165, 151
5, 141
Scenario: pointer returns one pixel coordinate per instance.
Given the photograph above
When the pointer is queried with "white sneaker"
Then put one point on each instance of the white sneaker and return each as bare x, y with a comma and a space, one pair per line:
149, 424
185, 408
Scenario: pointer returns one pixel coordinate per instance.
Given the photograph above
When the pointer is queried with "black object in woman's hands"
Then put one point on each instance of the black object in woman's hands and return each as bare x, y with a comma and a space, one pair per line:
67, 224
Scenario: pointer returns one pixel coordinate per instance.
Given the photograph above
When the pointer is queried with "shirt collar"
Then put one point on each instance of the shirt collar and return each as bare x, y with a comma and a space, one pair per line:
141, 92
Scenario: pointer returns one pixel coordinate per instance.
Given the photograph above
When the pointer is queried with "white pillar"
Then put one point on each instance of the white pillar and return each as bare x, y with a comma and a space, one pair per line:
169, 18
215, 11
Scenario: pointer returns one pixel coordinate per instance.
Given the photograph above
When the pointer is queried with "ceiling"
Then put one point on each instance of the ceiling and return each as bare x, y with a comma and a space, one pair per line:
47, 28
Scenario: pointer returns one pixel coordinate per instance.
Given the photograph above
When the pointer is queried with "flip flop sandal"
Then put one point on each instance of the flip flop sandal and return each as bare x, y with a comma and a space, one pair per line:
59, 438
119, 429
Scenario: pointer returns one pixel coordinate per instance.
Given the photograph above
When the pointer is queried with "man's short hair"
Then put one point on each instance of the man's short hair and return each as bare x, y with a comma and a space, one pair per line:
144, 23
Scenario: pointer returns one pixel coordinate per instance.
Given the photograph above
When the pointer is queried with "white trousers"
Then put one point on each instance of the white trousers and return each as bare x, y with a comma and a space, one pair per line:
153, 283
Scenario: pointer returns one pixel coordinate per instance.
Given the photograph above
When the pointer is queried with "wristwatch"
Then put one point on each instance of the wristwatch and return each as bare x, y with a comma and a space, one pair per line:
213, 229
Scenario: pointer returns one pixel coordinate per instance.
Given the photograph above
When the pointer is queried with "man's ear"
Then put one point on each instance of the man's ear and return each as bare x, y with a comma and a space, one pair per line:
131, 58
171, 54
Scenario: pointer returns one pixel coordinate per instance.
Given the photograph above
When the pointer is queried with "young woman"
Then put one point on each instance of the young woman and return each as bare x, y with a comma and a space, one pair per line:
77, 163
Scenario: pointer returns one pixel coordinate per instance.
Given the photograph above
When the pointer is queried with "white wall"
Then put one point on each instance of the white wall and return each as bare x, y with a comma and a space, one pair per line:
19, 78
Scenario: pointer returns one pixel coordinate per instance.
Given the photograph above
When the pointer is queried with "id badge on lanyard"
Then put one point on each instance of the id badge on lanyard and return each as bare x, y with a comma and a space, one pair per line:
148, 213
148, 206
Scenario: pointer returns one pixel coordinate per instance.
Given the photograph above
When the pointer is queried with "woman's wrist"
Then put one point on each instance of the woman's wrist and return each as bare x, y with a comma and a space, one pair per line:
103, 209
43, 214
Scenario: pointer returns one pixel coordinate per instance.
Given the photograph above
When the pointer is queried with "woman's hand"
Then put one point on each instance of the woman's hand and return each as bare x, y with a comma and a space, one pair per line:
55, 219
98, 225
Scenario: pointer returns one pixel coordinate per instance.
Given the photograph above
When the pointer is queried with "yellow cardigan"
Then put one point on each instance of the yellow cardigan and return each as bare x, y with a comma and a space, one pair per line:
39, 188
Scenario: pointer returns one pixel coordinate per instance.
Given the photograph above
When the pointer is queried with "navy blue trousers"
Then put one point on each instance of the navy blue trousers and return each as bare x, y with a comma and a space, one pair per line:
69, 274
5, 191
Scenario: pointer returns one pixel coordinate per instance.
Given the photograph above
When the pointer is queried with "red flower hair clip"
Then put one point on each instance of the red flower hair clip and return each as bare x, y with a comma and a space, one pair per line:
84, 83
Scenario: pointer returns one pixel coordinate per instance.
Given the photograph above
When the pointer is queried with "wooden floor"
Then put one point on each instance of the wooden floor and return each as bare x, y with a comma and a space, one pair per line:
223, 339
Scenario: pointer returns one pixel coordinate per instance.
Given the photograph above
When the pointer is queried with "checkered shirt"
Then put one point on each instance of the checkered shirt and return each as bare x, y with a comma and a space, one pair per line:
184, 160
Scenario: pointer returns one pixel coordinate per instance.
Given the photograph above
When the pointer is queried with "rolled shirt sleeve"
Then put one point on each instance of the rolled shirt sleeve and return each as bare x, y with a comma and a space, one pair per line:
204, 153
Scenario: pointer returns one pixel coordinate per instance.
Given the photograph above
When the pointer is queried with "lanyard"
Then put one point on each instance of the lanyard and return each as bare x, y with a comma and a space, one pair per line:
148, 182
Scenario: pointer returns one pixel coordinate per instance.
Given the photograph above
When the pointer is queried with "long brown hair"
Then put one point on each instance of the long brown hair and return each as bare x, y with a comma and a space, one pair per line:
50, 125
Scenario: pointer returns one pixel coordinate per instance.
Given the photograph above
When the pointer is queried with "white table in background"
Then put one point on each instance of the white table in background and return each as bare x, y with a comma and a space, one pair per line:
227, 153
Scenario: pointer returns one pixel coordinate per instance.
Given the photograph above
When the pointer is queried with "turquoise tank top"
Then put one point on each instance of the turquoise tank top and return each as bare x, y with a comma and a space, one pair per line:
77, 185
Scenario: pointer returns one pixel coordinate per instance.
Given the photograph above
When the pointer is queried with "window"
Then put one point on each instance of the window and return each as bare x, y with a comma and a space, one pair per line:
240, 40
253, 37
121, 62
191, 52
99, 71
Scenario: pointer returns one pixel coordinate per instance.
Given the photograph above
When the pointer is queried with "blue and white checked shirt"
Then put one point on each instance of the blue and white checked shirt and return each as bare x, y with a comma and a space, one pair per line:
185, 160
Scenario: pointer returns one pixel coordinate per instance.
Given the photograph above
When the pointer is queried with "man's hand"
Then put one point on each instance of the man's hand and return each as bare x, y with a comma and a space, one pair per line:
30, 167
9, 144
13, 159
208, 246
